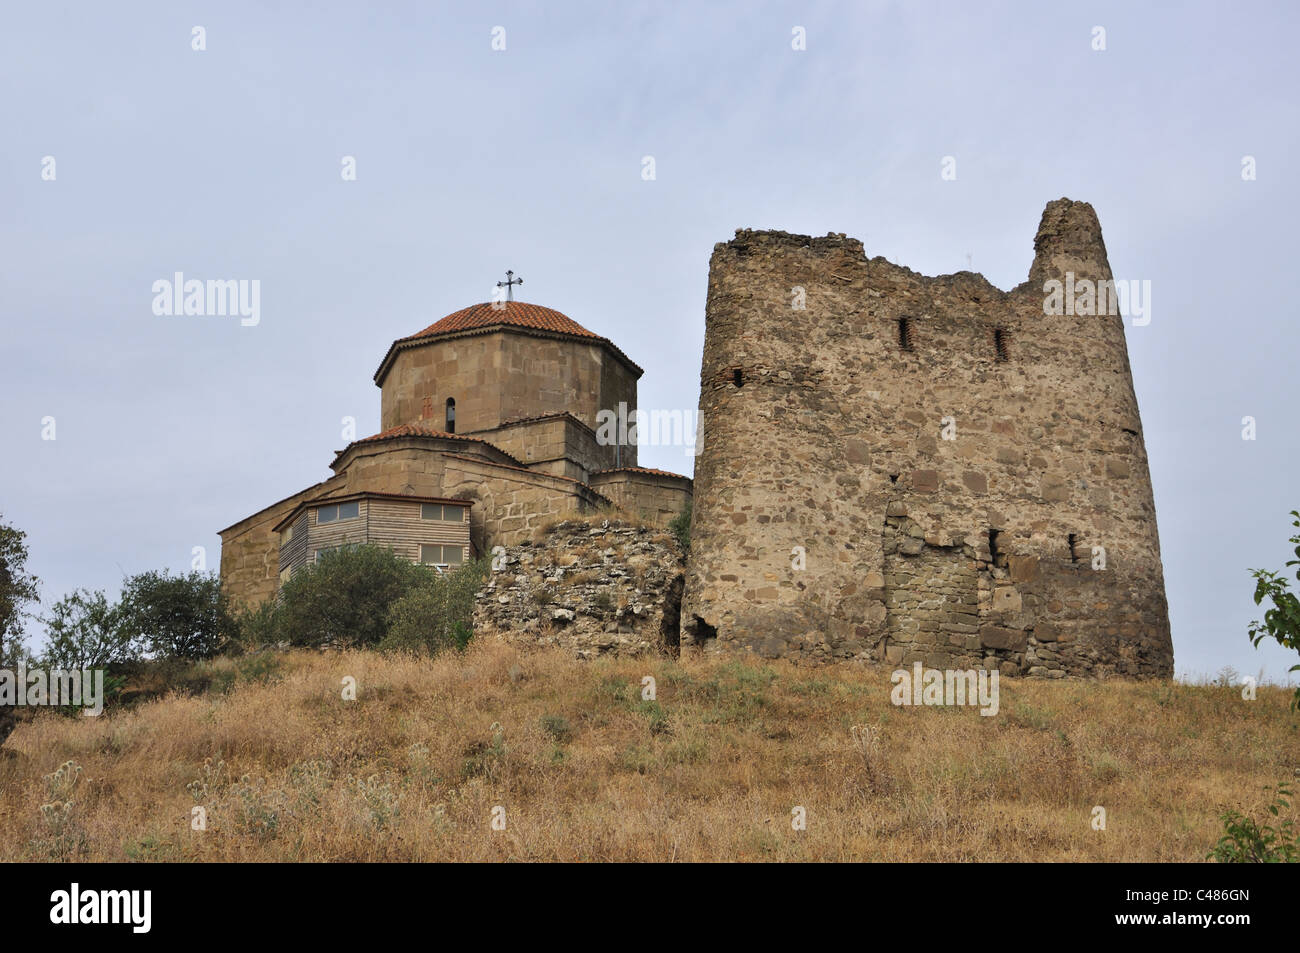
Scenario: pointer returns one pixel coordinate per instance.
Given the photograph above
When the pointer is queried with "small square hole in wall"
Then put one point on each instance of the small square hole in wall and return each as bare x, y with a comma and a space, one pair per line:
738, 377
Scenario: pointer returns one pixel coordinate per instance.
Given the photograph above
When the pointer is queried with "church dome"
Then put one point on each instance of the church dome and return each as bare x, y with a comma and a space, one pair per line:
487, 317
518, 314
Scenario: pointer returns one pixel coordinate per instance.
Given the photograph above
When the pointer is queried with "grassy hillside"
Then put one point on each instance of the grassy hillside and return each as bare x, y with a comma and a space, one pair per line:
586, 770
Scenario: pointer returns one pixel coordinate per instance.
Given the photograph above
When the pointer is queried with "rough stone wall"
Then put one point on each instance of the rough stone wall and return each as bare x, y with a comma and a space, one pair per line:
833, 519
512, 504
652, 496
422, 378
594, 589
250, 549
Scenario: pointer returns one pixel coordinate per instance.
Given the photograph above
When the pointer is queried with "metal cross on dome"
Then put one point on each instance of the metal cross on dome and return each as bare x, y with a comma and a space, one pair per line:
509, 284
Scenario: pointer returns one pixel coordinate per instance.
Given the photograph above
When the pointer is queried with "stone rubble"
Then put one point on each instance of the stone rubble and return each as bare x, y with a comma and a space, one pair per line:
613, 587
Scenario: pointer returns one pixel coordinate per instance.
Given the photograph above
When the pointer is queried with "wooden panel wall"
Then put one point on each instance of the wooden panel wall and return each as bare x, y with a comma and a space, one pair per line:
396, 524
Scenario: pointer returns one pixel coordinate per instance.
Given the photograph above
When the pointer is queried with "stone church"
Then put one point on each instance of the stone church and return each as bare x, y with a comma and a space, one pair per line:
488, 429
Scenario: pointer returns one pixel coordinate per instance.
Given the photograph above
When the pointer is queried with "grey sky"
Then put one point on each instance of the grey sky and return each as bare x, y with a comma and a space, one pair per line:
225, 163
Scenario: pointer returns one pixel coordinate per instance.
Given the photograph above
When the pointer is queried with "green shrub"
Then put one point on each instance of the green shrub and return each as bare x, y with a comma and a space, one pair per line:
680, 527
347, 597
184, 616
1282, 622
1246, 841
437, 613
17, 589
258, 627
84, 630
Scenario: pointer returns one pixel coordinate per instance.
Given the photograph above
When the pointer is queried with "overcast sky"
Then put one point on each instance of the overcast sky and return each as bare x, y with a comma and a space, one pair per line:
226, 163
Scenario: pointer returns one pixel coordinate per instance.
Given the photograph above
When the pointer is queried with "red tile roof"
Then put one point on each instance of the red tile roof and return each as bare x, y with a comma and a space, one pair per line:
641, 470
416, 430
519, 314
525, 317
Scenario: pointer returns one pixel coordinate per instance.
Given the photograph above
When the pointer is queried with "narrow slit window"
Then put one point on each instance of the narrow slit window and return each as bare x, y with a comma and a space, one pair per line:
993, 547
451, 415
1000, 338
905, 333
738, 377
1073, 542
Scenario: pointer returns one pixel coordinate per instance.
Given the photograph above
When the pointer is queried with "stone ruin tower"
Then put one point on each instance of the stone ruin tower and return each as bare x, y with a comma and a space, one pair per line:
905, 469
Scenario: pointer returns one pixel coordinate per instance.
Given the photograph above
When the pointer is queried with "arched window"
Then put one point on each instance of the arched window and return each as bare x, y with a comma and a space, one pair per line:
451, 415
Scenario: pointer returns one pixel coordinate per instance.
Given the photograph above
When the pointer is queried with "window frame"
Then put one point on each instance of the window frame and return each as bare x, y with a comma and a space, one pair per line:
443, 549
337, 509
442, 512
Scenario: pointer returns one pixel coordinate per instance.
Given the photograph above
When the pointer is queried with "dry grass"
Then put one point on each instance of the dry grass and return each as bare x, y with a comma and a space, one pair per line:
586, 770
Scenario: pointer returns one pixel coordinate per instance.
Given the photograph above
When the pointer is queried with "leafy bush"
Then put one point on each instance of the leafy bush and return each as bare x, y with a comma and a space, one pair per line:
680, 527
1282, 622
258, 627
438, 613
17, 589
1246, 841
184, 616
84, 630
347, 597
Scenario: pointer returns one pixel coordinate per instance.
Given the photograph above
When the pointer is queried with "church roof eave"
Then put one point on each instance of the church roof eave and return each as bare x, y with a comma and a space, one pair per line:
514, 316
413, 432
